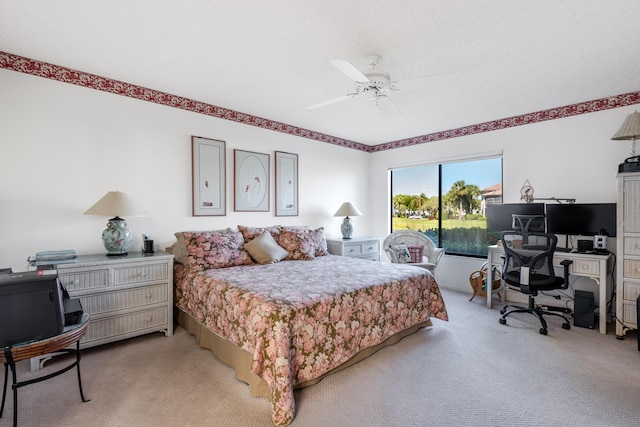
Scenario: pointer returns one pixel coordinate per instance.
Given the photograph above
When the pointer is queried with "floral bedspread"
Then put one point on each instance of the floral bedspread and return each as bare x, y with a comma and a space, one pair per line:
300, 319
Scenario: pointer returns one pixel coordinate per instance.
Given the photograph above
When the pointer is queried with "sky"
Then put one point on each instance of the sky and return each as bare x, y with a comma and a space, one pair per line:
424, 179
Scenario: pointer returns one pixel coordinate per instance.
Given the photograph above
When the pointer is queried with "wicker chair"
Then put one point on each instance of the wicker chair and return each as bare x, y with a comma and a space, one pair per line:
413, 239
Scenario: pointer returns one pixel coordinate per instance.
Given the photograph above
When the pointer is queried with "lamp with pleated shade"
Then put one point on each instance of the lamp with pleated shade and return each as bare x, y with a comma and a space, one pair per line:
630, 130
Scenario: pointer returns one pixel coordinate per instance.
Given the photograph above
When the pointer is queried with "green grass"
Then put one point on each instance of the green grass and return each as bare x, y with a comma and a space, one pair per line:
429, 224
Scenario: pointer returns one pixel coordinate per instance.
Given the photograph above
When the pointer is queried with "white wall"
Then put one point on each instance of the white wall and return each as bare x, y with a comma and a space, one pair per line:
571, 158
63, 147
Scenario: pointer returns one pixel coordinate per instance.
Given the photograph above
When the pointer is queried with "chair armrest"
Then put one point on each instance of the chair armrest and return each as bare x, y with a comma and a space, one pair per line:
566, 263
392, 255
437, 255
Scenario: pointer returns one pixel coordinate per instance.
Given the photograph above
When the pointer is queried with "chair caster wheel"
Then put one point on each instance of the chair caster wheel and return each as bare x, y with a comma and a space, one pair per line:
566, 326
543, 331
503, 311
502, 321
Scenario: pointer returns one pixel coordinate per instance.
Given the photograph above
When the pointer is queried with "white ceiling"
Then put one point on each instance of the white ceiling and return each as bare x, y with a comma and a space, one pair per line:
271, 58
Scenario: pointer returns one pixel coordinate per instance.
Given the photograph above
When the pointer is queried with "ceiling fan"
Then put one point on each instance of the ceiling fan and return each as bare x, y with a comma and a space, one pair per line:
374, 84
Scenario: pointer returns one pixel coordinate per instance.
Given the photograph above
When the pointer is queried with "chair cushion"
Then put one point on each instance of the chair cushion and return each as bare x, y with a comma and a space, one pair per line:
402, 253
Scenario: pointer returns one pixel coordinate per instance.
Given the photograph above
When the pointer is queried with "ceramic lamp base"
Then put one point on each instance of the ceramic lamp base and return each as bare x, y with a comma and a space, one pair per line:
347, 228
116, 237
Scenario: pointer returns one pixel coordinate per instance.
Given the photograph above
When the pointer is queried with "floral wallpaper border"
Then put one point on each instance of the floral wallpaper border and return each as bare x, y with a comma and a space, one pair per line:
55, 72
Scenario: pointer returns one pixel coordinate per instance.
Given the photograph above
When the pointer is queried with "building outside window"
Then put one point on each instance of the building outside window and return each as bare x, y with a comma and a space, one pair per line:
447, 202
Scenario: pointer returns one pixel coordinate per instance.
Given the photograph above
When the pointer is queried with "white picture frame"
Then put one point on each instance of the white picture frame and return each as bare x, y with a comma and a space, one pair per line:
251, 181
208, 177
286, 185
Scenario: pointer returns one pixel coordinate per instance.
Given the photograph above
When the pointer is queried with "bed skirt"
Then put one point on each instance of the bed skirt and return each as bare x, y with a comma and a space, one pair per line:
241, 360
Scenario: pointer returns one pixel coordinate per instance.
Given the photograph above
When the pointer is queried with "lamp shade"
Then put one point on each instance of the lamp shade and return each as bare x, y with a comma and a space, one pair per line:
116, 237
630, 129
348, 209
115, 204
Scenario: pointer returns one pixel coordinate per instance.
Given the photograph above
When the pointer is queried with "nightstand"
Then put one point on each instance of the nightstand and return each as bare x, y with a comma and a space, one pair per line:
356, 247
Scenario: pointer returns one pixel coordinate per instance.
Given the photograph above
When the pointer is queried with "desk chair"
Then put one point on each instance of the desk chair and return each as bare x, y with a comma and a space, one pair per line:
528, 266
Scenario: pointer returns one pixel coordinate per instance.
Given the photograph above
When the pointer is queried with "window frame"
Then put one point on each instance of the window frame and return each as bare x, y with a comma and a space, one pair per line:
439, 163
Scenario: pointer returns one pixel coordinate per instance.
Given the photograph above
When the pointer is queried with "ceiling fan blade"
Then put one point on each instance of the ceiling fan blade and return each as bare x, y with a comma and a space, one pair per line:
331, 101
425, 82
387, 108
349, 70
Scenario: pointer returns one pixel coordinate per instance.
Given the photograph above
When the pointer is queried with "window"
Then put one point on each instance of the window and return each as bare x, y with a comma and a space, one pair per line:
447, 202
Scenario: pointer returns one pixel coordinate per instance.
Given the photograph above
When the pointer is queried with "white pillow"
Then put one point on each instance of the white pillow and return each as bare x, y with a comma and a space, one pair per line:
402, 253
264, 249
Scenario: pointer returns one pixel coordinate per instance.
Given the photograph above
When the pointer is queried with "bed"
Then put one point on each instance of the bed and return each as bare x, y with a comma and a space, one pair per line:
285, 325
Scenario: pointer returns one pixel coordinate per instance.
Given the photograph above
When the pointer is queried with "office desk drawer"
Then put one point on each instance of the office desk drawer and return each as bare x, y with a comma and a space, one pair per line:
585, 266
496, 256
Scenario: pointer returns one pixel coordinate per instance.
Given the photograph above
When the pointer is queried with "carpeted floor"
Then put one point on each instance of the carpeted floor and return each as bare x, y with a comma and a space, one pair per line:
470, 371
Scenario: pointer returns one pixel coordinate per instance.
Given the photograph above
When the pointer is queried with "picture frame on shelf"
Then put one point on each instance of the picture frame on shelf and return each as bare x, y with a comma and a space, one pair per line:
251, 181
208, 177
286, 185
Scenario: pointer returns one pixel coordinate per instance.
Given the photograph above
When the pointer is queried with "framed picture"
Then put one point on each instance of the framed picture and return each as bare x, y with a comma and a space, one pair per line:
208, 175
286, 166
251, 183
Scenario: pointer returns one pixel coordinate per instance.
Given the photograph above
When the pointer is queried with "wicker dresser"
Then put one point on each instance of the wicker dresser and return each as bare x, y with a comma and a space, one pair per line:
126, 296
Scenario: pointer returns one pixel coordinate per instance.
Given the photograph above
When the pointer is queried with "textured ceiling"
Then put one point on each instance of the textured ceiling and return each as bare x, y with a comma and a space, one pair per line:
271, 59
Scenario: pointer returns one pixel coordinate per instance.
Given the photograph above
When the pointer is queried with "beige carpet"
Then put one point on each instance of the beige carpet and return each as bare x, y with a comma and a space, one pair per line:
470, 371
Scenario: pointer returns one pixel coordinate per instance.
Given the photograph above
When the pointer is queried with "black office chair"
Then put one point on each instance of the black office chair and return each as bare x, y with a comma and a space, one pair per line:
528, 266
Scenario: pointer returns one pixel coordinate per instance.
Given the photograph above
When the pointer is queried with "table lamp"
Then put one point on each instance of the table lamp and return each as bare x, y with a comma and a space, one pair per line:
347, 209
116, 237
630, 130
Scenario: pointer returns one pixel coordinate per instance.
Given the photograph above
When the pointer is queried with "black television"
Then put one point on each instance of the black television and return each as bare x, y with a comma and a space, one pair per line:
31, 306
582, 219
500, 216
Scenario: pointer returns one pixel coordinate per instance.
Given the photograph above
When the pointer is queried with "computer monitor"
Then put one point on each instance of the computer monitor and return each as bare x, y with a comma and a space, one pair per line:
30, 306
582, 219
500, 216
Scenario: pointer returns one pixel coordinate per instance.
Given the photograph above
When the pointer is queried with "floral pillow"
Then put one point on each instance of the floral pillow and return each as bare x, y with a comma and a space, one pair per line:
179, 249
317, 235
402, 253
250, 233
320, 241
299, 244
215, 249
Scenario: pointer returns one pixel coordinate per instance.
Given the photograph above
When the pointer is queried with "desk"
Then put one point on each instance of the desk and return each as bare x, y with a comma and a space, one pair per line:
59, 343
596, 267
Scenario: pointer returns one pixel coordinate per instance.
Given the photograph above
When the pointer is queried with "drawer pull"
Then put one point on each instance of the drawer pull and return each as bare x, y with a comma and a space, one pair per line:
75, 282
143, 274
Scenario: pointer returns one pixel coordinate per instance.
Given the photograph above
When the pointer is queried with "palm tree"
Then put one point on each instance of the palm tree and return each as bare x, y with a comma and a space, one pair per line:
458, 195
